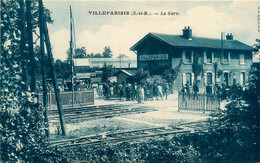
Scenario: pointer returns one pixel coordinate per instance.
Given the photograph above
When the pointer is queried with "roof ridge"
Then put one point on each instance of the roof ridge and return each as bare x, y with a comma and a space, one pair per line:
168, 34
165, 34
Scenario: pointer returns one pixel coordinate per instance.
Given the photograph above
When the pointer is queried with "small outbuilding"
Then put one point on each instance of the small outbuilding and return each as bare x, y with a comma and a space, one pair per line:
125, 76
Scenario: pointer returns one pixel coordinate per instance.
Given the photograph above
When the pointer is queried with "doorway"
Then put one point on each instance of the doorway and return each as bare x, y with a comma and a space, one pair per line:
226, 78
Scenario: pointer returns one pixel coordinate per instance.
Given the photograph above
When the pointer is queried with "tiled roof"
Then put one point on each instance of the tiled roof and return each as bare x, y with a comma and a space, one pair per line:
179, 41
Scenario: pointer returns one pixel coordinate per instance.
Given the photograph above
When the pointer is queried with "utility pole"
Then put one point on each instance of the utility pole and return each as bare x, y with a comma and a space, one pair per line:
44, 81
71, 54
54, 78
30, 43
222, 44
22, 47
221, 56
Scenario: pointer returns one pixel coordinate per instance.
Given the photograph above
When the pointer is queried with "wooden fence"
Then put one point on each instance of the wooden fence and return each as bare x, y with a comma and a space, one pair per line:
81, 98
202, 102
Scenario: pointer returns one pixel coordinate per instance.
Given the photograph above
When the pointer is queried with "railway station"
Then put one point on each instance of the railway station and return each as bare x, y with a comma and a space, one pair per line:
84, 81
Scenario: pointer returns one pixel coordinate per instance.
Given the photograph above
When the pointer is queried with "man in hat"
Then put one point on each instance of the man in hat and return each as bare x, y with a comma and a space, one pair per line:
128, 92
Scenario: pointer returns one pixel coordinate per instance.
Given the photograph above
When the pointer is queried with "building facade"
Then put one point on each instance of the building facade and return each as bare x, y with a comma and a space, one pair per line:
99, 62
205, 60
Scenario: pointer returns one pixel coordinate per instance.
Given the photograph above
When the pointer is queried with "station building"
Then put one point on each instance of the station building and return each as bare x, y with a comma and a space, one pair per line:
221, 60
125, 65
99, 62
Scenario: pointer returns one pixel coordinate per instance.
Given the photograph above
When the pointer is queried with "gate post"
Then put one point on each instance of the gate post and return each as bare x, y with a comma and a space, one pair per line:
204, 103
178, 101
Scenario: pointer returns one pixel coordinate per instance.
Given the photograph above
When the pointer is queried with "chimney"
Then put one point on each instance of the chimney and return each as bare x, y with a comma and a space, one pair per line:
187, 33
229, 36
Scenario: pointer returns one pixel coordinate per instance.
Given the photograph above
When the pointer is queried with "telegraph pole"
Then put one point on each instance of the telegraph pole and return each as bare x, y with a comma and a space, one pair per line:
54, 78
30, 43
22, 47
71, 54
44, 81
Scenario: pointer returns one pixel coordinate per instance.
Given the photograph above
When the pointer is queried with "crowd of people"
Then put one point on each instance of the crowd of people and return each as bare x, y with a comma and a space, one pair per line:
134, 92
223, 91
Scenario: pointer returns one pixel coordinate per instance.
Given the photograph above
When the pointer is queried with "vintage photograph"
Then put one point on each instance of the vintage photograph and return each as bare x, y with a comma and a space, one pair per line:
129, 81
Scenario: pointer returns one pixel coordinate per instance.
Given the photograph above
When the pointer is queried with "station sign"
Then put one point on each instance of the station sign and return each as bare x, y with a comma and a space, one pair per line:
151, 57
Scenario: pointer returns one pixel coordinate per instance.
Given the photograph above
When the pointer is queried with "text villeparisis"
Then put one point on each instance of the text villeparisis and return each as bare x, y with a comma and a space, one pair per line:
108, 12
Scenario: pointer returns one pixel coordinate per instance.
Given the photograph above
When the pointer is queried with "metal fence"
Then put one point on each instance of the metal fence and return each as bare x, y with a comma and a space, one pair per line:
202, 102
81, 98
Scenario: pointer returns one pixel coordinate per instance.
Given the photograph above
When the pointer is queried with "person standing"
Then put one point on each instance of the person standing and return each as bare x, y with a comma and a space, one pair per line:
121, 92
156, 91
128, 92
217, 89
160, 92
208, 89
166, 90
134, 91
140, 94
187, 87
195, 88
146, 92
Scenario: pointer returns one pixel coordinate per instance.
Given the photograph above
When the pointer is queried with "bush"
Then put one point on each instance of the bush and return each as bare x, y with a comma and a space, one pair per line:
175, 149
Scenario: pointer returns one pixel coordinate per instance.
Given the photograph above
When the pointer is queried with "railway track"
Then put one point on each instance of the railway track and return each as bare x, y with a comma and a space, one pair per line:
103, 111
86, 108
129, 135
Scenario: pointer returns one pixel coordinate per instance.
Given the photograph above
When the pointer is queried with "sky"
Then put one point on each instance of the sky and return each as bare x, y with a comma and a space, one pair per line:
120, 32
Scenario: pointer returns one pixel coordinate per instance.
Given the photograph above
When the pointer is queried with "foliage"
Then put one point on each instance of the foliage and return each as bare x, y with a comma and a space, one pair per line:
149, 150
21, 125
63, 69
107, 53
78, 53
235, 136
107, 71
170, 75
22, 121
10, 22
197, 68
141, 75
92, 55
122, 56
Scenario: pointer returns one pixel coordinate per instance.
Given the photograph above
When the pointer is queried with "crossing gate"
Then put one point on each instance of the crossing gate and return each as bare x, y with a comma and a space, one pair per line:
81, 98
203, 102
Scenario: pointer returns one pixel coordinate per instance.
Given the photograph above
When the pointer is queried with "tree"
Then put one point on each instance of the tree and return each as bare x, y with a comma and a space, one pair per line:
170, 75
122, 56
79, 53
107, 52
107, 71
98, 55
22, 120
197, 68
141, 75
235, 134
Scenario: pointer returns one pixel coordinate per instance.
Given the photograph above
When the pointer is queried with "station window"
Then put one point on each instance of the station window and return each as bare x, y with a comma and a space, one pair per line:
189, 78
243, 78
188, 55
242, 59
209, 78
209, 56
225, 58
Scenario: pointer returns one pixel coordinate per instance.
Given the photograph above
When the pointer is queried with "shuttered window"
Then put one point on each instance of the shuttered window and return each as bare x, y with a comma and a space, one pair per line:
183, 79
188, 55
209, 57
188, 78
226, 57
243, 78
242, 59
209, 78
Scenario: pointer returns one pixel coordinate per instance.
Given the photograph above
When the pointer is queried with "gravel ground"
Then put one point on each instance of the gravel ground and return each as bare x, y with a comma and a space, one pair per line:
167, 114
